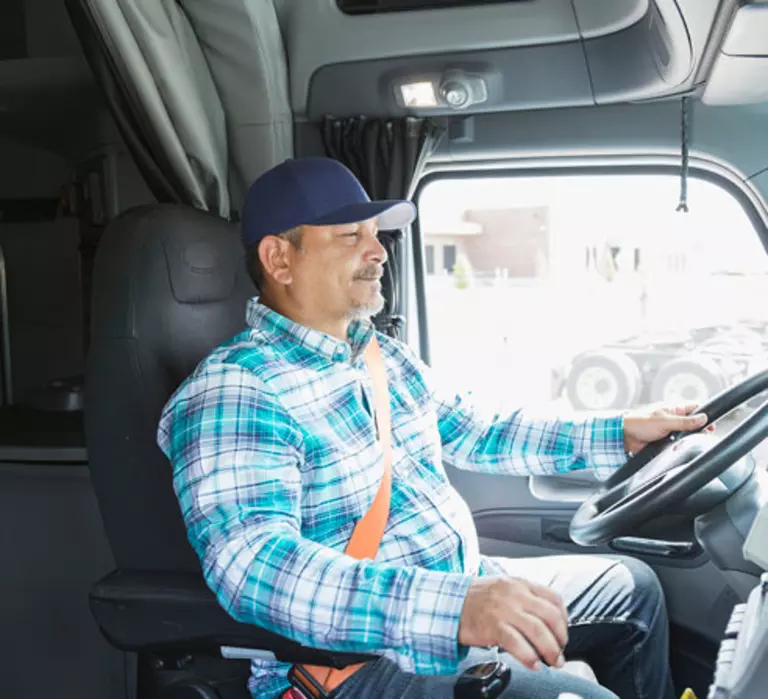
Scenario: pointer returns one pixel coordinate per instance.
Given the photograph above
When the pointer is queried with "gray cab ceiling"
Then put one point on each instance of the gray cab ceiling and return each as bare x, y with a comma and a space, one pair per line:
543, 53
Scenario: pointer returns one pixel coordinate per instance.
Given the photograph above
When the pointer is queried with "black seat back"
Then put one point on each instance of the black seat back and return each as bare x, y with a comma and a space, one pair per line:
169, 285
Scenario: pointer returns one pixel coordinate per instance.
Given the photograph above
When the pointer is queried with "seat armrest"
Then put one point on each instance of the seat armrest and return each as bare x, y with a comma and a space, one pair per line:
158, 611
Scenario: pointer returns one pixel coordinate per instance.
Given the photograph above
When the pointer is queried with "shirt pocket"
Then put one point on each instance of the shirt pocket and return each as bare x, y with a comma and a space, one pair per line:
414, 428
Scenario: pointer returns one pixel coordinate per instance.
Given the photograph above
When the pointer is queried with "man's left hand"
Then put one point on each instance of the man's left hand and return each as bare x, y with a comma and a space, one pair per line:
642, 428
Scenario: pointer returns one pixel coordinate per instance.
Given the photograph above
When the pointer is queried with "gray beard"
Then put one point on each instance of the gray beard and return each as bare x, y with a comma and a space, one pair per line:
367, 311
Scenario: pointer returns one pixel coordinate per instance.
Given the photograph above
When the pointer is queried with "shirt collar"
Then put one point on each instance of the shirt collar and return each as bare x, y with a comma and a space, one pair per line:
259, 317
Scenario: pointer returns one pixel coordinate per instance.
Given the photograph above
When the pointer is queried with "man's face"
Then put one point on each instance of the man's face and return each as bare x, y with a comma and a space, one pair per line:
336, 271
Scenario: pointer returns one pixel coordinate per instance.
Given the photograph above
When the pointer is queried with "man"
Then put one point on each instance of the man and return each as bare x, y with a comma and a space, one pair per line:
275, 458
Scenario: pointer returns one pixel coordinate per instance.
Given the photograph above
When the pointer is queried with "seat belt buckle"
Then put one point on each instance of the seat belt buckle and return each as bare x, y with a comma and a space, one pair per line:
304, 686
483, 681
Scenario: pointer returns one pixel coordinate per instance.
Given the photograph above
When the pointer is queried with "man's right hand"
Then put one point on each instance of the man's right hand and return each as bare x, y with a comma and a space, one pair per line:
528, 621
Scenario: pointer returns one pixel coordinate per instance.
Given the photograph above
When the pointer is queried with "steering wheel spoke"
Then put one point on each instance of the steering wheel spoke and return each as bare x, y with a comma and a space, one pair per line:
645, 489
672, 470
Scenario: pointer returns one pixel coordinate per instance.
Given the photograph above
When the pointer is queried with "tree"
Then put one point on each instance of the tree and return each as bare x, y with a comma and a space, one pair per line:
461, 279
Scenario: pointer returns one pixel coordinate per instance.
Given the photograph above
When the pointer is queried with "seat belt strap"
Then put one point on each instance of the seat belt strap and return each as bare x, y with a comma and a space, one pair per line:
369, 531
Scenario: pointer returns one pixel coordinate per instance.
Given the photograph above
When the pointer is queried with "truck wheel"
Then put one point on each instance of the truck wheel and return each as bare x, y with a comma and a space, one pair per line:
603, 380
689, 380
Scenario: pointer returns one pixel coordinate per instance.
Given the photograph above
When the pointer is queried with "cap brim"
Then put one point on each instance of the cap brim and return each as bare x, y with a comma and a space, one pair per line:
392, 214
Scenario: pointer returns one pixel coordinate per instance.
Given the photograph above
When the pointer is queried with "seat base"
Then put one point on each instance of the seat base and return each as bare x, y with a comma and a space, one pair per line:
195, 675
177, 613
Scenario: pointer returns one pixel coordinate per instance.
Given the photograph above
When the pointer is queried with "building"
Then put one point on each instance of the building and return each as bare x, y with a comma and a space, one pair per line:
486, 243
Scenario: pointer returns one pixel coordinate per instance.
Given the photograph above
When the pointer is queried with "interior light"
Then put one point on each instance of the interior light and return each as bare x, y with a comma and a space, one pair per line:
456, 95
420, 94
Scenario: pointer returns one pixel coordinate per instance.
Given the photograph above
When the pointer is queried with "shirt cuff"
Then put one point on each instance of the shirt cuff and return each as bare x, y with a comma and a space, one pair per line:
432, 620
605, 451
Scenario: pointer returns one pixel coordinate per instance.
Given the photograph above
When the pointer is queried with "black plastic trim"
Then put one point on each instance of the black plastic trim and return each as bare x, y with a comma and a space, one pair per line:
43, 455
374, 7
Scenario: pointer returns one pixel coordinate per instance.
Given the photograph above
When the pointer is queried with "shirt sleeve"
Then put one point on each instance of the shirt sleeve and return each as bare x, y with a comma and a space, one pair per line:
520, 442
491, 566
523, 444
237, 460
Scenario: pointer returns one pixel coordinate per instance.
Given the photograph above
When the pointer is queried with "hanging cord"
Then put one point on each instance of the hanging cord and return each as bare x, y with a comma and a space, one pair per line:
685, 126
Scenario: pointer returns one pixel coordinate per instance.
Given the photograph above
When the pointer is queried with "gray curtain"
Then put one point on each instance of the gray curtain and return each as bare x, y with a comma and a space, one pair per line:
198, 88
243, 45
387, 156
157, 82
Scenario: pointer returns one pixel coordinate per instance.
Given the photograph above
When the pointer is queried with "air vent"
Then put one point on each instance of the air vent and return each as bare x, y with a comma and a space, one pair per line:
370, 7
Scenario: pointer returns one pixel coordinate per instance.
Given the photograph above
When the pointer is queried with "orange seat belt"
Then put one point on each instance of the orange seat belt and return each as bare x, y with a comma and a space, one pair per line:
368, 532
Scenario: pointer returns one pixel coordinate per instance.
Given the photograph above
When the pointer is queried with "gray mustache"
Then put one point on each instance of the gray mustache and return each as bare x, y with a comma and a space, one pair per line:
370, 274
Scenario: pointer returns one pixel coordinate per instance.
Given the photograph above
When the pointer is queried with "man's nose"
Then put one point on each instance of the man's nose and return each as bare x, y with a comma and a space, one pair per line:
376, 251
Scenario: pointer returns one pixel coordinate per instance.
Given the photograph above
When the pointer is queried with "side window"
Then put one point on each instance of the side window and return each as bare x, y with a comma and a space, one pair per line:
591, 292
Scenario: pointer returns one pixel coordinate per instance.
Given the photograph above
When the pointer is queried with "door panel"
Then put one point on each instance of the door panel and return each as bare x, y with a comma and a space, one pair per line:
512, 523
559, 300
573, 488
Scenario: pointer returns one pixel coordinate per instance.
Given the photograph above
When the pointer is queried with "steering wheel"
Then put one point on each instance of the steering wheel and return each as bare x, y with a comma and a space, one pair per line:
671, 470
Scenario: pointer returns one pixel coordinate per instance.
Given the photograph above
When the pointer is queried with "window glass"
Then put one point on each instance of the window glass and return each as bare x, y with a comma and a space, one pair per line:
592, 292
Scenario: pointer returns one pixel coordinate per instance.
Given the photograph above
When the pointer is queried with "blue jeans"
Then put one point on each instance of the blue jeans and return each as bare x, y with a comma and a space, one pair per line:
617, 623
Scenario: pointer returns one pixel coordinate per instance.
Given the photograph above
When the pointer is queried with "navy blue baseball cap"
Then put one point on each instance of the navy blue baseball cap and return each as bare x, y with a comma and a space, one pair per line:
314, 192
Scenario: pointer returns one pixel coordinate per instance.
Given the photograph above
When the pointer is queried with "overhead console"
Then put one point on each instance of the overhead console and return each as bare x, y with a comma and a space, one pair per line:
497, 57
740, 71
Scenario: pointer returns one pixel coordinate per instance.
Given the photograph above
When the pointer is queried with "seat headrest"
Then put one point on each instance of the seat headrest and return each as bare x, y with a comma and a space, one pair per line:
156, 258
201, 269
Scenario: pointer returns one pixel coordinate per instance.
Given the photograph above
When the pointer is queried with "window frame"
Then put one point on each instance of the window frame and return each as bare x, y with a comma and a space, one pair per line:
750, 200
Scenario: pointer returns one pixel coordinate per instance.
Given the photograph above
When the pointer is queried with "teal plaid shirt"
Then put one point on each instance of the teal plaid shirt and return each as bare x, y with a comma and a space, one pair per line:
275, 458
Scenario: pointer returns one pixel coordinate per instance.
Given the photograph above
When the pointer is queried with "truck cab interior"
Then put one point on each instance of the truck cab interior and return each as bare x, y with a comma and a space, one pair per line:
592, 186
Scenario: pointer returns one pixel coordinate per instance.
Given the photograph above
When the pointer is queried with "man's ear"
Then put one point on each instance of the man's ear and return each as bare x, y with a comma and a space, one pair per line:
275, 260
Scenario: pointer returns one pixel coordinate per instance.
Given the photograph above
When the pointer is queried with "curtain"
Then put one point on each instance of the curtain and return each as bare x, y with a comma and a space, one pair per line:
387, 156
244, 47
157, 84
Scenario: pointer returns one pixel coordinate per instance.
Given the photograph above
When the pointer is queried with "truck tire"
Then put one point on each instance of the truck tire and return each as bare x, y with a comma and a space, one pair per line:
603, 380
687, 380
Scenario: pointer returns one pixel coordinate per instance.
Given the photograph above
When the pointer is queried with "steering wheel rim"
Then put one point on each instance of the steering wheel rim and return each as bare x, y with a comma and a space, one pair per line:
611, 512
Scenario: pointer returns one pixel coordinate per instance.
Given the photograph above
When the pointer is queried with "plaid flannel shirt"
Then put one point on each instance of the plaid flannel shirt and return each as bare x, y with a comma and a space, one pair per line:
275, 458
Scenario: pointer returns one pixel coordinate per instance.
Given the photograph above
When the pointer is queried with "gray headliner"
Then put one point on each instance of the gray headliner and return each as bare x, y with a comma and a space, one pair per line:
318, 34
731, 137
